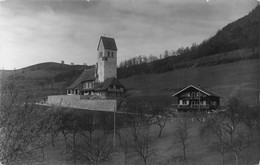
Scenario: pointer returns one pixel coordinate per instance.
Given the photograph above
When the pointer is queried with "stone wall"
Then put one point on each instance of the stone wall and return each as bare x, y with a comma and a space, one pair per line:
74, 101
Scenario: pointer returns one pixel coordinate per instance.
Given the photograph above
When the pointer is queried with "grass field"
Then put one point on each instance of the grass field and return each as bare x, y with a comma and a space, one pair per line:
239, 79
166, 151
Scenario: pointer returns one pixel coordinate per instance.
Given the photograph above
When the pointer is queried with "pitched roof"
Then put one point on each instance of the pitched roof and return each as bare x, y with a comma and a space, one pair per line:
109, 43
107, 83
209, 93
86, 75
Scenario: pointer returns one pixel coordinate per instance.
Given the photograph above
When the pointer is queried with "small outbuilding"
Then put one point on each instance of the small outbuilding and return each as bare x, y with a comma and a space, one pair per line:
195, 98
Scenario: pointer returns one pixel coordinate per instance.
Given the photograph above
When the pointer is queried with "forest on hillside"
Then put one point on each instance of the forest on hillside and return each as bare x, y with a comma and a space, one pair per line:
241, 34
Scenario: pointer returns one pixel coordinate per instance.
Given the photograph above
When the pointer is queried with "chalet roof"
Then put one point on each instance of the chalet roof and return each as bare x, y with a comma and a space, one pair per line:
209, 93
109, 43
86, 75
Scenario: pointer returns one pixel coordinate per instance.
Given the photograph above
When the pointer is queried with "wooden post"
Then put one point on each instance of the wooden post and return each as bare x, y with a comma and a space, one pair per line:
114, 141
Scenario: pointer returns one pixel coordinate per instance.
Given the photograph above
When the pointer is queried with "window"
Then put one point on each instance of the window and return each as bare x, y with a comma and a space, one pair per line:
100, 54
108, 54
214, 103
193, 94
184, 102
112, 54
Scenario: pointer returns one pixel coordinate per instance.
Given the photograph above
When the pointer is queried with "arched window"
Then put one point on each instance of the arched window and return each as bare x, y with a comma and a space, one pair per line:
100, 54
193, 94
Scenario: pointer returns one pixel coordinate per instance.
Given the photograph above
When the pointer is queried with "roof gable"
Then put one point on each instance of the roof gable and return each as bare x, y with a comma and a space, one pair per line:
108, 43
109, 82
86, 75
199, 89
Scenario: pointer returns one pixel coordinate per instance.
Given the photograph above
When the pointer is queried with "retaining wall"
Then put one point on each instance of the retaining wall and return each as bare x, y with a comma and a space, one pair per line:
74, 101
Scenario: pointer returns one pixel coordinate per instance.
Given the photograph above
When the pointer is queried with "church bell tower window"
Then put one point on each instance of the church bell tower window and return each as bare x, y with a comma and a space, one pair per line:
100, 54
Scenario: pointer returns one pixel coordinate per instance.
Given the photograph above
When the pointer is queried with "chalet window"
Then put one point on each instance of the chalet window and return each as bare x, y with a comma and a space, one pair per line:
108, 54
112, 54
213, 103
184, 102
193, 94
198, 94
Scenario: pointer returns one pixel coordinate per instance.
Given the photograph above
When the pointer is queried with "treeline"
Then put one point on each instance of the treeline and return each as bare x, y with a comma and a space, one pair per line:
184, 61
240, 34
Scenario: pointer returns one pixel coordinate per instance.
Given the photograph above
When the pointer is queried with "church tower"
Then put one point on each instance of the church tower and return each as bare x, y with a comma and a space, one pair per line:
107, 59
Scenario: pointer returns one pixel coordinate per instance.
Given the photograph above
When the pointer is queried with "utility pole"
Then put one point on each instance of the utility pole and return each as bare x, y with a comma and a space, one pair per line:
114, 141
258, 51
199, 100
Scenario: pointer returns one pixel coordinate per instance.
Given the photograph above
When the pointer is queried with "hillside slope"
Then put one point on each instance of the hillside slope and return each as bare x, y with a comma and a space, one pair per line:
243, 34
240, 79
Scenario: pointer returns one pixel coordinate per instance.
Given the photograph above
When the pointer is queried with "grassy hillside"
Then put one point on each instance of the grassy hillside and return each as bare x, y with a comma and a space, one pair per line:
45, 78
232, 79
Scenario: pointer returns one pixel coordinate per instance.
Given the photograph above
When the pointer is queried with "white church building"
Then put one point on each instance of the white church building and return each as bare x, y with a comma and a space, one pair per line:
100, 81
96, 88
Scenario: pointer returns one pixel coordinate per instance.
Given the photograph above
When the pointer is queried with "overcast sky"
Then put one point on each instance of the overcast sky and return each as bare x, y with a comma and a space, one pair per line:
36, 31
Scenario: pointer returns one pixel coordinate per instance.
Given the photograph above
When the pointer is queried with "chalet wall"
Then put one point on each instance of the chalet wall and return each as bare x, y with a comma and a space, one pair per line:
76, 101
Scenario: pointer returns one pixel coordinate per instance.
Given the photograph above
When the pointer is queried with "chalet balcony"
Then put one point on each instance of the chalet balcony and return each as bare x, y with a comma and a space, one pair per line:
192, 107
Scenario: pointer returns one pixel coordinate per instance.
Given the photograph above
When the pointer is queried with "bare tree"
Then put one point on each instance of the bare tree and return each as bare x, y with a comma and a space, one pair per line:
160, 115
24, 127
88, 123
65, 125
233, 118
138, 116
95, 151
230, 129
181, 135
239, 143
213, 131
71, 130
143, 145
220, 148
107, 123
125, 144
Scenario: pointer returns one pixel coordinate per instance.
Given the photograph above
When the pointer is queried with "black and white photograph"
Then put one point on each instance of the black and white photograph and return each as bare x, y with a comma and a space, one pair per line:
129, 82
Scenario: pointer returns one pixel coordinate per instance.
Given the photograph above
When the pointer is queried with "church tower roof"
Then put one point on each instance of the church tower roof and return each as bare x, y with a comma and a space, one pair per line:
109, 43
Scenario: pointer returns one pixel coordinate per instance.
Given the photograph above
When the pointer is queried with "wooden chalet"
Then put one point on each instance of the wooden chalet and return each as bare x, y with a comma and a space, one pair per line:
195, 98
